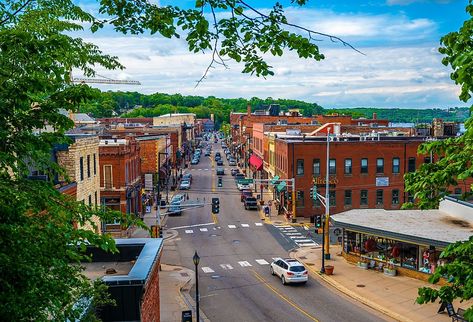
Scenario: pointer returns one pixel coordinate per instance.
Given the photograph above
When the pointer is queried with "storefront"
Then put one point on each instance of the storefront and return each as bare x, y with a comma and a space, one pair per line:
408, 241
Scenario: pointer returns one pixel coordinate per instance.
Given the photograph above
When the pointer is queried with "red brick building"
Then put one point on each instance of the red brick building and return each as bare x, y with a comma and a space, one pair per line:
120, 175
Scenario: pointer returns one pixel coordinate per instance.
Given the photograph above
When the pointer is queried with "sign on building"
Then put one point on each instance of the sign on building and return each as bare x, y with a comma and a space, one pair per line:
148, 181
382, 182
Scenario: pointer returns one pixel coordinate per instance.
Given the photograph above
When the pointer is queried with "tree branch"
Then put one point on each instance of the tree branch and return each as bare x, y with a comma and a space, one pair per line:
15, 13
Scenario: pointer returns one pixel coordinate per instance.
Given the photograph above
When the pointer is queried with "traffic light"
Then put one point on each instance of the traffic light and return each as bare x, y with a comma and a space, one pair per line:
313, 192
160, 228
215, 205
220, 181
318, 221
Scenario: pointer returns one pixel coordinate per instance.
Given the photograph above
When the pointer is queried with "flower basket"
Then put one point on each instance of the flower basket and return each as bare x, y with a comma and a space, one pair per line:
363, 265
389, 271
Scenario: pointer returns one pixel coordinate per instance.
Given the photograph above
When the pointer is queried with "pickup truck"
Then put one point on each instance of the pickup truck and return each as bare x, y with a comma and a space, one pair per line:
251, 203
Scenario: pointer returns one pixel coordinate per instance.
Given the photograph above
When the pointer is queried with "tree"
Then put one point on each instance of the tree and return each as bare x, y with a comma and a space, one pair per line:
432, 181
40, 250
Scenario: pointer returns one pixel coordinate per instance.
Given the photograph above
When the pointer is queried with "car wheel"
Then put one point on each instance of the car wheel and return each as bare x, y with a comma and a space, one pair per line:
272, 271
283, 280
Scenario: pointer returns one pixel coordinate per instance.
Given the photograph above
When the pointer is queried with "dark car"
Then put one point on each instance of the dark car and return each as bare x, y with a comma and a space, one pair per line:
245, 194
219, 162
250, 203
239, 176
234, 171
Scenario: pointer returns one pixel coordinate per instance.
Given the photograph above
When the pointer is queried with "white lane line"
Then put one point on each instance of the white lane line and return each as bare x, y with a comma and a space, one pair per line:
262, 262
282, 226
206, 169
203, 229
304, 241
189, 231
258, 224
226, 266
244, 264
245, 225
207, 270
192, 226
231, 226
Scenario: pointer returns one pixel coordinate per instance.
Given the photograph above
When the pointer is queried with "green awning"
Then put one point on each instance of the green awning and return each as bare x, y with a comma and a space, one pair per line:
281, 186
274, 180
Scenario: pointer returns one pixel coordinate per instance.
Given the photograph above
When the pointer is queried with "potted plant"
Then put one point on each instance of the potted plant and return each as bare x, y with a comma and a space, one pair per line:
363, 263
390, 270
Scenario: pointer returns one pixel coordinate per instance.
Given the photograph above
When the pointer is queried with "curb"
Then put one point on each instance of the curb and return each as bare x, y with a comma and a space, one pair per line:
184, 293
354, 295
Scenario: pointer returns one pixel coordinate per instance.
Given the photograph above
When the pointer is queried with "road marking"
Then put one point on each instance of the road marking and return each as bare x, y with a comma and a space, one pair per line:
244, 264
304, 241
226, 266
293, 234
207, 270
275, 291
258, 224
203, 229
308, 244
189, 231
262, 262
275, 258
245, 225
306, 228
231, 226
192, 226
206, 169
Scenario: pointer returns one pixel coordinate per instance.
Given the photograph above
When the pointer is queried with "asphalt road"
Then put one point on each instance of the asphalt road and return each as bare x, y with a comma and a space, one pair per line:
236, 248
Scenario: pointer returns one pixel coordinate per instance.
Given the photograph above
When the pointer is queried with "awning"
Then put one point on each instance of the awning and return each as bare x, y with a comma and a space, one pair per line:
256, 162
281, 186
274, 180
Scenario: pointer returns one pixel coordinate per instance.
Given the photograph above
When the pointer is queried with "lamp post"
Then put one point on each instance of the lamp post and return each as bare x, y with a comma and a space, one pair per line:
158, 198
196, 260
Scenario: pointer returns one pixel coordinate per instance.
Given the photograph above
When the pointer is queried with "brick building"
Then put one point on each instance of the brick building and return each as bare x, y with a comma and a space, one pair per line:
120, 176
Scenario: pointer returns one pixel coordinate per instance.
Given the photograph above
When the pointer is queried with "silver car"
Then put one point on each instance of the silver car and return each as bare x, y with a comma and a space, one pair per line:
289, 270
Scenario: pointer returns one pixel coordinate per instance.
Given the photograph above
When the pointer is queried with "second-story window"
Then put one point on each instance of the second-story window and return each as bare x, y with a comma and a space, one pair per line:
379, 197
396, 165
88, 166
107, 177
395, 197
411, 165
348, 167
332, 166
364, 198
300, 167
316, 167
332, 198
364, 166
379, 165
347, 197
95, 164
81, 168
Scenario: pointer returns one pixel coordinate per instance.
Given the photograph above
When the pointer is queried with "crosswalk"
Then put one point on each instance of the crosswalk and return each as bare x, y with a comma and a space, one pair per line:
296, 236
240, 263
194, 229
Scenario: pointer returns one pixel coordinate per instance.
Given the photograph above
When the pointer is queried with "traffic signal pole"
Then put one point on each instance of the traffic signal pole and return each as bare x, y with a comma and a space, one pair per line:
325, 225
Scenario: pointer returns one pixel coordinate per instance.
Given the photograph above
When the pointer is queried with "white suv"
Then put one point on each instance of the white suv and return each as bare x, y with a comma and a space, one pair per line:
289, 270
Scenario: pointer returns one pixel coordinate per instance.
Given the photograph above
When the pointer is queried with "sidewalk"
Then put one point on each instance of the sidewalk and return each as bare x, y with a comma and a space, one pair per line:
393, 296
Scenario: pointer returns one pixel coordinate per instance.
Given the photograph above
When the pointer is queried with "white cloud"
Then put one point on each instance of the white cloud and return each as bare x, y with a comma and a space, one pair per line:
408, 2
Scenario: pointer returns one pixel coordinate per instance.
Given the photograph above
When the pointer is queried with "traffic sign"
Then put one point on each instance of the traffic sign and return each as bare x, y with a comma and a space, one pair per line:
245, 181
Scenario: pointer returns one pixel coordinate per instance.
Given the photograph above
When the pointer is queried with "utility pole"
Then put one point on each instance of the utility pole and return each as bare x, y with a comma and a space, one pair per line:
325, 225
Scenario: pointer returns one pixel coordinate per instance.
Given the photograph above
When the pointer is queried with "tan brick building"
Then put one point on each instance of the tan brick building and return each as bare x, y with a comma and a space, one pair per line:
80, 159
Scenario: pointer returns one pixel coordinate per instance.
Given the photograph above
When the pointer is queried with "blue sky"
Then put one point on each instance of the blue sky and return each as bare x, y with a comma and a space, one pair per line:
401, 66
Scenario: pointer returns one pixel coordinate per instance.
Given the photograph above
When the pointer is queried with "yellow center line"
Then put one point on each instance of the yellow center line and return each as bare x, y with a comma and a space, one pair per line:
275, 291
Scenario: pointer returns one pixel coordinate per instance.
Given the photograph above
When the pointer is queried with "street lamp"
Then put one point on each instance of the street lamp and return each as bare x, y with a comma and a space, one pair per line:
196, 260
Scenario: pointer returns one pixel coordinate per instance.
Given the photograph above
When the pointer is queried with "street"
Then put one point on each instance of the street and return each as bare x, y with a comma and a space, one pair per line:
235, 248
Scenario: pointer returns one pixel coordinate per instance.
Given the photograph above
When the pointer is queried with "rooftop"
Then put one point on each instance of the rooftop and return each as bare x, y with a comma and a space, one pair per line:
96, 270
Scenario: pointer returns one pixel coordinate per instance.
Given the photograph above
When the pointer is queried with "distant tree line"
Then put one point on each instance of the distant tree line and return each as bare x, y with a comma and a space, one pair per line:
134, 104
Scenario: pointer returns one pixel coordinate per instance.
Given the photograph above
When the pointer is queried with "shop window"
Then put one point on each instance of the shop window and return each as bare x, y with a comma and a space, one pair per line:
316, 167
395, 197
458, 191
364, 166
347, 197
88, 166
348, 166
430, 259
409, 255
332, 166
332, 198
81, 168
300, 198
379, 198
411, 165
364, 198
379, 165
300, 167
396, 165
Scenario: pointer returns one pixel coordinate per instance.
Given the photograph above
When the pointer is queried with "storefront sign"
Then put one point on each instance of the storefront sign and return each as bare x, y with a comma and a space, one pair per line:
148, 181
382, 182
320, 182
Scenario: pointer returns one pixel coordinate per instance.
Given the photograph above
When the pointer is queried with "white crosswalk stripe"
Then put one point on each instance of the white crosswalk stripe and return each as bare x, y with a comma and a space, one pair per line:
203, 229
308, 244
258, 224
226, 266
207, 270
262, 261
293, 234
244, 264
304, 241
189, 231
231, 226
245, 225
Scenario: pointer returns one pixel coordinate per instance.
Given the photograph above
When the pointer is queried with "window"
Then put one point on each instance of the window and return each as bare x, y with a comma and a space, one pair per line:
458, 191
348, 166
364, 198
364, 166
411, 166
300, 198
379, 198
90, 200
410, 197
300, 167
316, 167
395, 197
379, 165
107, 178
96, 203
347, 197
332, 198
81, 168
427, 160
95, 164
396, 165
88, 167
332, 166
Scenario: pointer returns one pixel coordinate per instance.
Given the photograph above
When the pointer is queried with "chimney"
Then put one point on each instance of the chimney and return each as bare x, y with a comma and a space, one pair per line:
248, 109
375, 116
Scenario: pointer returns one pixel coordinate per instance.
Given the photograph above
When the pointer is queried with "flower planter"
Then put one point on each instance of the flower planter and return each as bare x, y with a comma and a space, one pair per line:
329, 270
363, 265
389, 272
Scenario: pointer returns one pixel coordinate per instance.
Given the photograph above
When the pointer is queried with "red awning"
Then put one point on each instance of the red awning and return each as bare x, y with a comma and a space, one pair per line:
256, 162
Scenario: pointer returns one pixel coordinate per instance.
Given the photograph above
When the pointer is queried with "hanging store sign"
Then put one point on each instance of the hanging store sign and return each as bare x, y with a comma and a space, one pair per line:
321, 181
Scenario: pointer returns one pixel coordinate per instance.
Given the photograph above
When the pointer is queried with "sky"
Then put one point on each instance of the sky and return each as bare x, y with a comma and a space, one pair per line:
400, 66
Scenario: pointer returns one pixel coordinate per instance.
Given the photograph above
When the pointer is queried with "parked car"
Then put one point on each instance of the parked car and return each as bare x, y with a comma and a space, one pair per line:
178, 198
185, 185
231, 162
250, 203
244, 194
234, 171
289, 270
187, 176
207, 153
220, 171
195, 161
239, 176
219, 162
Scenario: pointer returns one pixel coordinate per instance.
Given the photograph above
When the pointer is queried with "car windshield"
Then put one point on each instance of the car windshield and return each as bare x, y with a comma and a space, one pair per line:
297, 268
185, 182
